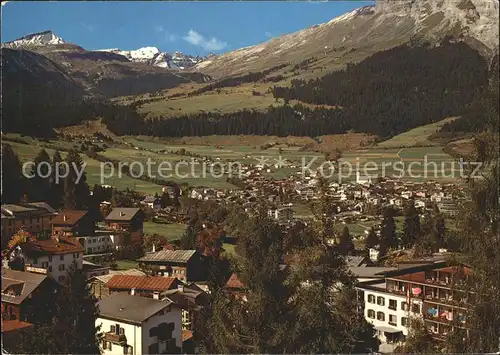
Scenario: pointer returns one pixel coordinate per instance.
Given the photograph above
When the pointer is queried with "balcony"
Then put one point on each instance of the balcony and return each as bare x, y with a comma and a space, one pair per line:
115, 338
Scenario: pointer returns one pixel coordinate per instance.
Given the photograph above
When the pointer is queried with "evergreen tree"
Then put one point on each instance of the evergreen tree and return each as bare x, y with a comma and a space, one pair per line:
324, 210
13, 180
371, 239
418, 341
56, 196
346, 244
77, 311
411, 225
388, 237
76, 190
165, 199
40, 186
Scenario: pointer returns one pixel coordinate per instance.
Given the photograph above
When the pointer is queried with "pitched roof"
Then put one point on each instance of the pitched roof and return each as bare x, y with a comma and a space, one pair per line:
129, 308
12, 325
355, 261
151, 283
68, 217
62, 245
175, 256
186, 334
122, 214
234, 282
106, 278
21, 283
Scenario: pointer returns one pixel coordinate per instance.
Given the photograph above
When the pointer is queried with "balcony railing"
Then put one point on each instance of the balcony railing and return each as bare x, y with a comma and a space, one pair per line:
115, 338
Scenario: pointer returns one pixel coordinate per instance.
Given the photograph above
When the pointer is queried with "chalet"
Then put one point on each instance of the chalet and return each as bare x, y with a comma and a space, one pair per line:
70, 223
139, 325
186, 265
33, 217
20, 289
144, 286
152, 202
127, 222
92, 270
53, 256
98, 285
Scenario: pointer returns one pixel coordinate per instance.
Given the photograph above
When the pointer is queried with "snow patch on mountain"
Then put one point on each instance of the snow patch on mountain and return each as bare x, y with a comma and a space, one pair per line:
44, 38
153, 56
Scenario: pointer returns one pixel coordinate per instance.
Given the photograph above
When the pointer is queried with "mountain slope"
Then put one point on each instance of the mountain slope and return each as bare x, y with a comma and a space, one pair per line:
362, 32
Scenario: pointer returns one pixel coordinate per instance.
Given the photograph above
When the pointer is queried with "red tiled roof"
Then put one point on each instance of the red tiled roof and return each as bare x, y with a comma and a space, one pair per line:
68, 217
186, 335
11, 325
52, 246
234, 282
150, 283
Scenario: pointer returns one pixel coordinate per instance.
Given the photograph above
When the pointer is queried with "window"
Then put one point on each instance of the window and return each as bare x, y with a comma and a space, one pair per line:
404, 306
122, 331
50, 258
415, 308
45, 264
61, 267
404, 321
113, 329
393, 304
62, 278
50, 268
61, 257
393, 320
35, 261
381, 316
380, 301
371, 314
371, 299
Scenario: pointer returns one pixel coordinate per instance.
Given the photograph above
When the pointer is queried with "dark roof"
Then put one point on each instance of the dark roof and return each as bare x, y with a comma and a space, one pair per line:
370, 271
174, 256
122, 214
68, 217
151, 283
62, 245
32, 208
21, 283
355, 261
127, 308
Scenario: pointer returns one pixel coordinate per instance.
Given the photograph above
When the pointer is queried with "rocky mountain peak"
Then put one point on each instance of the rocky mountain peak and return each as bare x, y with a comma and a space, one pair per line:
43, 38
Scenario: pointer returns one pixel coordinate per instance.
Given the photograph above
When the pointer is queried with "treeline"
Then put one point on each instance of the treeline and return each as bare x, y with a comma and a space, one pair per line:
238, 80
400, 88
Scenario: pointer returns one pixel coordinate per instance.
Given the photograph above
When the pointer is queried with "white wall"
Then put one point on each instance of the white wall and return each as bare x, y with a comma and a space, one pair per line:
174, 316
56, 262
138, 336
132, 332
398, 312
98, 244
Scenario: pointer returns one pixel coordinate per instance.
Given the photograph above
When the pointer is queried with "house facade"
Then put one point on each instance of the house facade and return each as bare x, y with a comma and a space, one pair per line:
33, 217
127, 222
139, 325
72, 223
186, 265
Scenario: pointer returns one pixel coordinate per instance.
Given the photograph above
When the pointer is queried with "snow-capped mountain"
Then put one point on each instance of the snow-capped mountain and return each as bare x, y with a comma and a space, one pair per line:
36, 39
153, 56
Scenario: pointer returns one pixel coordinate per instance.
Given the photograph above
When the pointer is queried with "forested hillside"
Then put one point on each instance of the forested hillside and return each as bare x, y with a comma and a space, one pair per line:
386, 94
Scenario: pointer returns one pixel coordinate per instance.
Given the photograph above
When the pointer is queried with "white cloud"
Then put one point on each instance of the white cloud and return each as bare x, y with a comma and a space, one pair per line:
197, 39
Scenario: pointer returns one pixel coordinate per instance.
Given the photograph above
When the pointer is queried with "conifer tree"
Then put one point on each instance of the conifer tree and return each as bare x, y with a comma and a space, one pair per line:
346, 244
411, 225
371, 239
388, 237
40, 186
13, 180
56, 196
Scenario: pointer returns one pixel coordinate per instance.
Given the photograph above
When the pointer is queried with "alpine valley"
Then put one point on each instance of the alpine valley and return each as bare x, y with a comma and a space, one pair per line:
413, 63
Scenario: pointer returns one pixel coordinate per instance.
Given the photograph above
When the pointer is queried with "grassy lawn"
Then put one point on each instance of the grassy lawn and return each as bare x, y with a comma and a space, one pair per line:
172, 230
416, 136
126, 264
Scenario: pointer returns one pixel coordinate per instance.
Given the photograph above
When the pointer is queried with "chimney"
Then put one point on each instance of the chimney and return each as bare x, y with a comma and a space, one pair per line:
154, 248
122, 214
132, 292
156, 295
65, 218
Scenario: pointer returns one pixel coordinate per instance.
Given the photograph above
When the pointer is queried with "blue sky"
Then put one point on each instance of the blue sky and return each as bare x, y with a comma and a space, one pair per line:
191, 27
